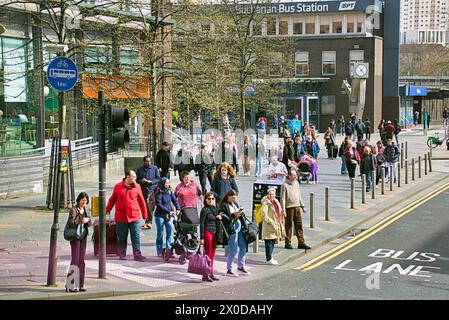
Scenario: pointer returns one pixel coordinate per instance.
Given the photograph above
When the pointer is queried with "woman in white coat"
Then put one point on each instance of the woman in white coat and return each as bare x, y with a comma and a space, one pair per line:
273, 229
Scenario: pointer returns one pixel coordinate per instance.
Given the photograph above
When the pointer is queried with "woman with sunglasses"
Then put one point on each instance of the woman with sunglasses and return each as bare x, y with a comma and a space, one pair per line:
209, 218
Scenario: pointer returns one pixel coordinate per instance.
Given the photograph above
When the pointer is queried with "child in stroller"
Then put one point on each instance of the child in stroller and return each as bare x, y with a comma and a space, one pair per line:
305, 171
303, 168
186, 240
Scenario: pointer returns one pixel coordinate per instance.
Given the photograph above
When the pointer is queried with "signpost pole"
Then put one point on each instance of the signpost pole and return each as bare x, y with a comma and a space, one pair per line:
62, 75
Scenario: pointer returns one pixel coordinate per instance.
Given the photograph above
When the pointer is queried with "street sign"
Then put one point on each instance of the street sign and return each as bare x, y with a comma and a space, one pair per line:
251, 90
62, 73
416, 91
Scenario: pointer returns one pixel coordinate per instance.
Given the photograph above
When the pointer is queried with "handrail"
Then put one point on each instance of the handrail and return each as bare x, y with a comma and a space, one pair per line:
178, 136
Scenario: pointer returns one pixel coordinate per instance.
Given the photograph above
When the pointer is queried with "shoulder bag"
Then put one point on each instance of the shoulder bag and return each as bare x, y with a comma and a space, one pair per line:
222, 235
250, 231
77, 232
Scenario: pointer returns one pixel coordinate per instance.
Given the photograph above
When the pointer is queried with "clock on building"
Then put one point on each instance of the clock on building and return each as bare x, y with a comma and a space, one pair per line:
361, 70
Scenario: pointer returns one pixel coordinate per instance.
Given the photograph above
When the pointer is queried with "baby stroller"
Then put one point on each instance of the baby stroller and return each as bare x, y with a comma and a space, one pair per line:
304, 171
186, 240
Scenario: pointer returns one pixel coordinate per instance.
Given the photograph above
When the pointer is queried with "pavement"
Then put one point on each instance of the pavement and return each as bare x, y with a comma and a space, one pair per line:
25, 232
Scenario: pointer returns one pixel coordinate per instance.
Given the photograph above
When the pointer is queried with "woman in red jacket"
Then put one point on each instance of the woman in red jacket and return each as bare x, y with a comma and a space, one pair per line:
127, 198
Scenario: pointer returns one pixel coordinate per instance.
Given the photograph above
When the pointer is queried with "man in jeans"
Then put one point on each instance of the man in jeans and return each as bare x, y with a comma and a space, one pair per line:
148, 177
127, 198
292, 204
391, 154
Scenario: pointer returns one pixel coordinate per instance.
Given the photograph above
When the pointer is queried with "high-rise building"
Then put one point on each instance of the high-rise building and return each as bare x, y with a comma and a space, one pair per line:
425, 21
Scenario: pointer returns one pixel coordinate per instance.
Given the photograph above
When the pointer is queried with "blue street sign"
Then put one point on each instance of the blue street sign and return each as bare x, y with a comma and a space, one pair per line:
251, 90
417, 91
62, 73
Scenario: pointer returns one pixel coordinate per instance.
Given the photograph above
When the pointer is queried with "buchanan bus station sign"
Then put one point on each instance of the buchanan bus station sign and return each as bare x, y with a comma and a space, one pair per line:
310, 7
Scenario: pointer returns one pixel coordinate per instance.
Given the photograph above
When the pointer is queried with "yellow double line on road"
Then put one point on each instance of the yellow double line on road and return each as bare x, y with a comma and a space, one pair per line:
323, 258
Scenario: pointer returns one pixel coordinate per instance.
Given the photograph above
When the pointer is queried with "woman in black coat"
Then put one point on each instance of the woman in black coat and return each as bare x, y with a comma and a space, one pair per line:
209, 217
78, 215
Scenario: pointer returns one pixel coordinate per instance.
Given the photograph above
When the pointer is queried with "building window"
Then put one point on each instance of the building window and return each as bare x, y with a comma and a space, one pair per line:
297, 28
324, 25
271, 27
283, 27
275, 69
129, 57
328, 105
310, 28
350, 27
301, 64
337, 27
310, 25
354, 57
350, 24
257, 29
329, 63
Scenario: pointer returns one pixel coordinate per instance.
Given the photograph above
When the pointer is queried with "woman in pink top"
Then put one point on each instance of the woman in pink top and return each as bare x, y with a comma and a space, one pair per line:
313, 165
187, 191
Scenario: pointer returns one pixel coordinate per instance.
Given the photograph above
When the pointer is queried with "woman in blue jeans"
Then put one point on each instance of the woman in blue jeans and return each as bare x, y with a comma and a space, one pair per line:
234, 219
166, 208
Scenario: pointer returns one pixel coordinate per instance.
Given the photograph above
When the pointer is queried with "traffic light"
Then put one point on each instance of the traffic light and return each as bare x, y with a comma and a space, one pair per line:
118, 134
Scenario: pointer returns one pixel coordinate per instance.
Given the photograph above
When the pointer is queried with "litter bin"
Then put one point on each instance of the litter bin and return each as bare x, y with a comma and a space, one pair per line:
260, 190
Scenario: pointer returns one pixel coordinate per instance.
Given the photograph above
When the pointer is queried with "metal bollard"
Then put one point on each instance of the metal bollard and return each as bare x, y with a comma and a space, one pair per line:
399, 176
382, 180
419, 167
363, 188
425, 164
312, 209
406, 172
413, 169
352, 192
326, 204
373, 184
256, 245
430, 161
402, 155
406, 151
391, 177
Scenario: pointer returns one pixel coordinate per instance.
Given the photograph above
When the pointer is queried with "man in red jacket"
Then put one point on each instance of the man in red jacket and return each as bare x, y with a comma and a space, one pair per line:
389, 130
127, 198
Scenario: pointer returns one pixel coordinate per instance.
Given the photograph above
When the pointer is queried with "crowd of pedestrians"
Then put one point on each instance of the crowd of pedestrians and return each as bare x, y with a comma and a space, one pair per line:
147, 192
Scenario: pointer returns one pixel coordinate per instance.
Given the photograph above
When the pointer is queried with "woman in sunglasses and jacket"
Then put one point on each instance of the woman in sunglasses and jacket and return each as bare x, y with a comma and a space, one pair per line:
209, 218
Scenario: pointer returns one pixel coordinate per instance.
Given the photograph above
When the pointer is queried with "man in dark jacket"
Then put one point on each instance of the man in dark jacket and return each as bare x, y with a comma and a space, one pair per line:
204, 166
360, 129
367, 129
391, 155
164, 160
148, 176
289, 153
349, 129
183, 160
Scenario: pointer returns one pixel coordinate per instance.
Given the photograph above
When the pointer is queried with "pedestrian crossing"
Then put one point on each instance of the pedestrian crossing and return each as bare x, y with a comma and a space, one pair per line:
154, 276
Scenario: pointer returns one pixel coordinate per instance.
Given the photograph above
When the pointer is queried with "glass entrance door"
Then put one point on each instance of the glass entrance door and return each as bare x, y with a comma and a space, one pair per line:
313, 111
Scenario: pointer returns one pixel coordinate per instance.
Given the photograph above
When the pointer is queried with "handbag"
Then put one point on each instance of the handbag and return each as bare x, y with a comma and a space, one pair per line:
199, 264
250, 232
222, 235
77, 232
